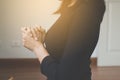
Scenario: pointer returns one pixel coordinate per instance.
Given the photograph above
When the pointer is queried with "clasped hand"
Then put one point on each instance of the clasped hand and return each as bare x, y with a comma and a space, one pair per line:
33, 37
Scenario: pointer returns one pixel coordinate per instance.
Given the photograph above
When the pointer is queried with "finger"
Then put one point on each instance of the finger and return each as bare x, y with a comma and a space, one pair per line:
33, 33
43, 30
40, 33
37, 33
39, 28
26, 30
23, 29
29, 31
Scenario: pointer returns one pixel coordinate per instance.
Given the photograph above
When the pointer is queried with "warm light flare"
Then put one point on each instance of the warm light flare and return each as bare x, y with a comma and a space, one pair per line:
30, 12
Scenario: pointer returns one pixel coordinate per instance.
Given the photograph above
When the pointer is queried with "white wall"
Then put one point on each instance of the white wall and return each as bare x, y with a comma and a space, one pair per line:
109, 47
15, 14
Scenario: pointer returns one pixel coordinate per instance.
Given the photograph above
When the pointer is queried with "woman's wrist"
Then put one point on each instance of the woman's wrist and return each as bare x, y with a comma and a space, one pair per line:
37, 46
40, 52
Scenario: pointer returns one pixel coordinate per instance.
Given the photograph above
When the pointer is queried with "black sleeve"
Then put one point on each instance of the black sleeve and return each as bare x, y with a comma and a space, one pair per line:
81, 41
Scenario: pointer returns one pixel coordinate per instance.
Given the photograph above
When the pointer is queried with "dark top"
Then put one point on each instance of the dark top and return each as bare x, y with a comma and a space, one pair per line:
71, 41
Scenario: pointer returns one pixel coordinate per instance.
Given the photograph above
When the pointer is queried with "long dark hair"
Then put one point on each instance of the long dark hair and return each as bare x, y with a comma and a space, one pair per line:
65, 3
63, 6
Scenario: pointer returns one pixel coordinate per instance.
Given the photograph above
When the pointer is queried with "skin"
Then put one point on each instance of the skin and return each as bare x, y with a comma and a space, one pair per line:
33, 39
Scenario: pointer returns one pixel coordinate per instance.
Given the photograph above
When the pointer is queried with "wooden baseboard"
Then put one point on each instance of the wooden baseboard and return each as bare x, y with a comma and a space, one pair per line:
18, 62
94, 61
27, 62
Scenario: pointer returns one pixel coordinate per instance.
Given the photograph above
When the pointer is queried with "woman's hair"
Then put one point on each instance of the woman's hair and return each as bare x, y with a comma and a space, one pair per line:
64, 5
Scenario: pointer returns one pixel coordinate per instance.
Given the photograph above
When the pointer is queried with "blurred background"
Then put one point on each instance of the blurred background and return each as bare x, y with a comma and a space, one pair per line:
15, 14
18, 63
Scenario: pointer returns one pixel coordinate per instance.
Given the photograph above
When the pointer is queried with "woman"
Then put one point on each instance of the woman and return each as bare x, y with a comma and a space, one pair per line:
69, 42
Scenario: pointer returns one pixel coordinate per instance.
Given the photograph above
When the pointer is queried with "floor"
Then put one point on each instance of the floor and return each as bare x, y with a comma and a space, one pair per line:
30, 70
